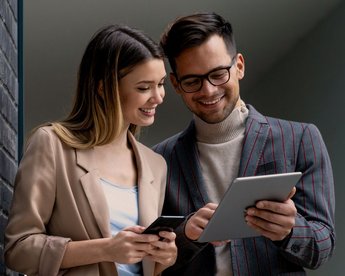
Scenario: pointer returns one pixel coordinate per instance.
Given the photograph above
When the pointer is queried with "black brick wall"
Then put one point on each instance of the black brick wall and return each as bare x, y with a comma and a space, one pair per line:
8, 113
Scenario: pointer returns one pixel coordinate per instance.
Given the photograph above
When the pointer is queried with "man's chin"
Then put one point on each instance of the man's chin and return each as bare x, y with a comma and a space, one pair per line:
212, 119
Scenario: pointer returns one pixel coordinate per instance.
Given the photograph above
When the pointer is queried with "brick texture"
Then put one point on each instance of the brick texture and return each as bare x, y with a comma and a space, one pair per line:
8, 113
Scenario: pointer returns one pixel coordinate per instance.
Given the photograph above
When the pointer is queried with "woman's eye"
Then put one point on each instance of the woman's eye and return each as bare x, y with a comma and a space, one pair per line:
143, 88
161, 84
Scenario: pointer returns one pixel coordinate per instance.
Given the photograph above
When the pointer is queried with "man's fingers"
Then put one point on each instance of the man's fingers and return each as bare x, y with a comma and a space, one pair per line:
292, 193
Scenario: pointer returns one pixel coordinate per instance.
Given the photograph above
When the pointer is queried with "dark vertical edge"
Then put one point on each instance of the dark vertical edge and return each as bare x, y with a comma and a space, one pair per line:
20, 80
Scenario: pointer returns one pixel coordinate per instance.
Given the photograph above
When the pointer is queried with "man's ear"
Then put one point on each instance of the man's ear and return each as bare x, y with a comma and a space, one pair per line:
174, 82
240, 67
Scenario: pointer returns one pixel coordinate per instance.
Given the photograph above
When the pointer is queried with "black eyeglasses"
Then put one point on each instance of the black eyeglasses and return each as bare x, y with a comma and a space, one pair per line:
218, 76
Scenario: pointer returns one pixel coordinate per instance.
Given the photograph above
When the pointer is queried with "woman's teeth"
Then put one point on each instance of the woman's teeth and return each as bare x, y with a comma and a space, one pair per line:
147, 110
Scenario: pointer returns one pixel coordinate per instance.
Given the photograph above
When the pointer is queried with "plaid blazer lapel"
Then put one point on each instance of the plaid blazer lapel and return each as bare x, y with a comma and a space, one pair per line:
187, 154
257, 130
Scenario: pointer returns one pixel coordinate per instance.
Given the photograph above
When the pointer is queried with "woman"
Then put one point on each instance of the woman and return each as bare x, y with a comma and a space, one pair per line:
85, 184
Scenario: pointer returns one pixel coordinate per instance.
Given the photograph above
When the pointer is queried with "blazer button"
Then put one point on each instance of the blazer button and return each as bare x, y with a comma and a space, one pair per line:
295, 248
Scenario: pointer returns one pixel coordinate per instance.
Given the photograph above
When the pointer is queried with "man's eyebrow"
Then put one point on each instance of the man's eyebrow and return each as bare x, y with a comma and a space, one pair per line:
200, 75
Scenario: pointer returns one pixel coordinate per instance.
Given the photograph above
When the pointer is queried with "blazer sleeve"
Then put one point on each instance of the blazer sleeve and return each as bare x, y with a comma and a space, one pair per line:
312, 240
28, 247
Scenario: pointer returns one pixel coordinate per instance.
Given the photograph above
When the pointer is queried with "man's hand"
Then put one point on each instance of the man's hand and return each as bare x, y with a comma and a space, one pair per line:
273, 220
196, 223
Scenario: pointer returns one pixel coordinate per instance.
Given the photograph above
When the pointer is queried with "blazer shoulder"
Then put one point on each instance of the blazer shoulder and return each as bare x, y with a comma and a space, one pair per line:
279, 123
295, 126
167, 146
44, 141
279, 126
149, 155
42, 136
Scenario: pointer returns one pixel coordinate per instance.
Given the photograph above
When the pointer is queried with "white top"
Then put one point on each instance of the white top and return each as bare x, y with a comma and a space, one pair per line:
124, 212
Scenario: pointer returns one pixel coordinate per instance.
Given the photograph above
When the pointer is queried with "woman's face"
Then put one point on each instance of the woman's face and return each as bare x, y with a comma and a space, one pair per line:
141, 91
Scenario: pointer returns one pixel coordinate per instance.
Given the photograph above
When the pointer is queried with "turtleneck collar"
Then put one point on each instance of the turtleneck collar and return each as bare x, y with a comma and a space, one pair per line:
224, 131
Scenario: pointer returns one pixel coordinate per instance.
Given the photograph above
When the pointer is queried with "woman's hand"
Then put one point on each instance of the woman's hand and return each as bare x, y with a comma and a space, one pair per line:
163, 251
129, 246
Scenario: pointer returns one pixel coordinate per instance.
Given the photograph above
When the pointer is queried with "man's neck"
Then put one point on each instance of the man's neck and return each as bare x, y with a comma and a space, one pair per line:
224, 131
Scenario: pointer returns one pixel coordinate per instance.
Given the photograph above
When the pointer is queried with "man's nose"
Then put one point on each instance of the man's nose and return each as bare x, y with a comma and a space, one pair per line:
207, 87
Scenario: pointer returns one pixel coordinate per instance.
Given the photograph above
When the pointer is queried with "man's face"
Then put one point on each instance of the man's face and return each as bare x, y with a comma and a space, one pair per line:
211, 103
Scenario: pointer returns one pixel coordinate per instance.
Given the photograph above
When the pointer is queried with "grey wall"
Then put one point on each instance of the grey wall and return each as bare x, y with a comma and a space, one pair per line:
8, 112
57, 31
308, 85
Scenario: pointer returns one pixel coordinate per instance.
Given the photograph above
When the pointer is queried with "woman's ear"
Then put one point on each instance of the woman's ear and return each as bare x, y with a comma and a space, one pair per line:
100, 89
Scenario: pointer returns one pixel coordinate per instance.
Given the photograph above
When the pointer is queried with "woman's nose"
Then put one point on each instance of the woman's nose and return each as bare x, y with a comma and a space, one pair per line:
158, 96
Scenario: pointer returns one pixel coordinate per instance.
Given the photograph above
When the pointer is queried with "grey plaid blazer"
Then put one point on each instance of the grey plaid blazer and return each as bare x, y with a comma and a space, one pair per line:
270, 146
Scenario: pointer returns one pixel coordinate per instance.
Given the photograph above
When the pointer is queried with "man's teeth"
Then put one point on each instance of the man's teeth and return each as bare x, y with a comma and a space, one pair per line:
211, 102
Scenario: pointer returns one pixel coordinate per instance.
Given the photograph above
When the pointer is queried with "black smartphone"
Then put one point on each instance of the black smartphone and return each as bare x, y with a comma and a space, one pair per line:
164, 223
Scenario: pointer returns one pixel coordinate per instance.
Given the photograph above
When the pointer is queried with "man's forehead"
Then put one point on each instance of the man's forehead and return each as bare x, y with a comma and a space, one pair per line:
203, 58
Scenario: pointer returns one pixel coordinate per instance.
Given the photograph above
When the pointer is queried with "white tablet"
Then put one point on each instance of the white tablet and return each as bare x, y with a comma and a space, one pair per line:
228, 221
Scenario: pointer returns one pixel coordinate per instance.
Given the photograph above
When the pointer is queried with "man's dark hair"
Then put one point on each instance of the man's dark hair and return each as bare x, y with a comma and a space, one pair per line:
193, 30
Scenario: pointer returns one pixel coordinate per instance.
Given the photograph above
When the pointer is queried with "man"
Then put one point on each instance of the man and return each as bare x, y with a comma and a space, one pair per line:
227, 139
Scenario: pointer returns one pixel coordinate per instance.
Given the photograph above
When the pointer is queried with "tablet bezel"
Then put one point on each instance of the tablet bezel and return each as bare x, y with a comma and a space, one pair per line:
228, 220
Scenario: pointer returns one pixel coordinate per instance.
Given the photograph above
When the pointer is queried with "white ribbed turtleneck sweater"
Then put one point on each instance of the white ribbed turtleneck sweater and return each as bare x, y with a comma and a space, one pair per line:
220, 147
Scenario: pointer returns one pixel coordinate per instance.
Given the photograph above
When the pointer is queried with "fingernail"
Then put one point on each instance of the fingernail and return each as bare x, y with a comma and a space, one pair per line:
250, 212
260, 205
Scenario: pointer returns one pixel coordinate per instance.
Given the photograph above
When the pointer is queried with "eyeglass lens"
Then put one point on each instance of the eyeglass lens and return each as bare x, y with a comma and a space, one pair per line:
217, 77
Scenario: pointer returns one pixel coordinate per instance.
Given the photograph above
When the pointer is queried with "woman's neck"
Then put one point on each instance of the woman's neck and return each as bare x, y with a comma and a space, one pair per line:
117, 161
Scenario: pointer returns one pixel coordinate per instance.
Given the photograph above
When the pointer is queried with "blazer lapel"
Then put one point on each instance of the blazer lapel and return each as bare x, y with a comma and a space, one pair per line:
187, 154
93, 190
148, 193
257, 130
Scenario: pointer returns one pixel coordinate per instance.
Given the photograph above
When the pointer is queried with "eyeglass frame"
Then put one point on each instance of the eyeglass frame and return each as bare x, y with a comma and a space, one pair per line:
206, 76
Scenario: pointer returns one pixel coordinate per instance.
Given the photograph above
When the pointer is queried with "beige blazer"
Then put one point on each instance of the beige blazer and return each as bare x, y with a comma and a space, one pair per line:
58, 198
